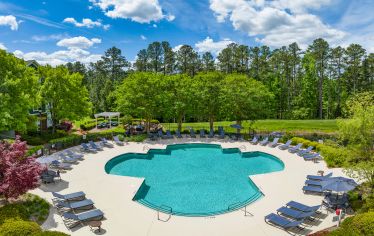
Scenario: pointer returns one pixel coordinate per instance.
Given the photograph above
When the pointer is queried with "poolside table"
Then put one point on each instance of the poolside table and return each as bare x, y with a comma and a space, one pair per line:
95, 224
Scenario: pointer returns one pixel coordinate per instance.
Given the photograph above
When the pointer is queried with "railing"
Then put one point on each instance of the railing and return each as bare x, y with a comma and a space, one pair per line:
146, 148
168, 211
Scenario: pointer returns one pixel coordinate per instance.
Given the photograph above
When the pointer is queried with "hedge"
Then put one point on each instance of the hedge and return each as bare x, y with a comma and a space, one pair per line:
360, 224
334, 156
18, 227
31, 151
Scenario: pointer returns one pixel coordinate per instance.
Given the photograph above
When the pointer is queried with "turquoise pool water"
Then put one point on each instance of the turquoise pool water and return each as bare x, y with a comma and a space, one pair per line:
195, 179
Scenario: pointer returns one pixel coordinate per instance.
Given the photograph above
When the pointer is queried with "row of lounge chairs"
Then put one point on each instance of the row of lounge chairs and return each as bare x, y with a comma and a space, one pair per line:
93, 147
292, 215
192, 134
68, 206
313, 183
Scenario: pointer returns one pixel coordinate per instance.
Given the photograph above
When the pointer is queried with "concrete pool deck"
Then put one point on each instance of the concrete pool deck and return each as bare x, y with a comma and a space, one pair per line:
113, 195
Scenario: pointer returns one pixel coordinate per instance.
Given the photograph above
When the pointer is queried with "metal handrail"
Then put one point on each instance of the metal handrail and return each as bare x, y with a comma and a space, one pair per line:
164, 207
146, 147
243, 147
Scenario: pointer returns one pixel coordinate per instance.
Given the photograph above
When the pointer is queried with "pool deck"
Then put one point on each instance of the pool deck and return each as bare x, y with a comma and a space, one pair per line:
113, 195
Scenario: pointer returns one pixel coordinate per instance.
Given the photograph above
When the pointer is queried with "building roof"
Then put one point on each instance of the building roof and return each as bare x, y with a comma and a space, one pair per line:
107, 114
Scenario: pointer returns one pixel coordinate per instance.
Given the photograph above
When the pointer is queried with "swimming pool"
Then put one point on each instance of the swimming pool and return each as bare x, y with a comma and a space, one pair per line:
195, 179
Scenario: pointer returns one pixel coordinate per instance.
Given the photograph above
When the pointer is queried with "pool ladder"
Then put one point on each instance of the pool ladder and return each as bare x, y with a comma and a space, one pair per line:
242, 148
146, 148
164, 209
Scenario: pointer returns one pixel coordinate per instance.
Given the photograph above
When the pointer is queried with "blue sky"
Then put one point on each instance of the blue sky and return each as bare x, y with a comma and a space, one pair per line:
56, 32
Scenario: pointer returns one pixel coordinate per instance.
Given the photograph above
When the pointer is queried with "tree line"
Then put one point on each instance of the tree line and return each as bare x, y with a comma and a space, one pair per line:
309, 84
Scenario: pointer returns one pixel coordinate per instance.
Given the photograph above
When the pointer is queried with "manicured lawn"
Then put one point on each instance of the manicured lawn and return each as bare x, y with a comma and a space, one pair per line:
327, 126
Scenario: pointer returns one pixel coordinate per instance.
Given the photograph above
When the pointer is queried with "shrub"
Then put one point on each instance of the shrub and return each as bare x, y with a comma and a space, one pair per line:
136, 138
360, 224
333, 155
33, 150
50, 233
67, 141
19, 227
13, 211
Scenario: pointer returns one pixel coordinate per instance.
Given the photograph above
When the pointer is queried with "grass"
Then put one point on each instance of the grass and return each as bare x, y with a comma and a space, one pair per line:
326, 126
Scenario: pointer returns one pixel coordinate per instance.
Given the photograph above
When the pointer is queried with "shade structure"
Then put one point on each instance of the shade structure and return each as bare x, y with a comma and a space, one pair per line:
108, 115
339, 184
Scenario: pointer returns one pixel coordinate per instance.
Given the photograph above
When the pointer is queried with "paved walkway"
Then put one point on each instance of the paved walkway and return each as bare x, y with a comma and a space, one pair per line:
113, 195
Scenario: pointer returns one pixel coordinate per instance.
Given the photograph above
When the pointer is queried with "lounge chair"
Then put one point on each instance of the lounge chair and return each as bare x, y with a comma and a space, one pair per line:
301, 207
305, 151
313, 182
68, 159
264, 141
84, 204
105, 142
295, 148
221, 134
282, 222
82, 217
312, 189
202, 133
70, 153
295, 214
178, 133
254, 140
168, 134
71, 196
274, 143
59, 165
160, 134
318, 177
211, 133
312, 157
192, 133
117, 141
86, 148
286, 145
94, 146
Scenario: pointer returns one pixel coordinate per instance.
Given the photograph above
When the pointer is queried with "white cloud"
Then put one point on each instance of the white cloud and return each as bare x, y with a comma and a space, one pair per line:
143, 37
276, 23
9, 21
141, 11
208, 45
176, 48
78, 42
59, 57
51, 37
2, 46
86, 22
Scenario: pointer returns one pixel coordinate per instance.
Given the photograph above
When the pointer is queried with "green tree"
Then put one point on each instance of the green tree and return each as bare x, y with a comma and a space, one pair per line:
357, 132
207, 62
141, 62
155, 56
188, 61
168, 63
354, 55
244, 98
208, 89
139, 95
64, 94
18, 92
320, 51
115, 64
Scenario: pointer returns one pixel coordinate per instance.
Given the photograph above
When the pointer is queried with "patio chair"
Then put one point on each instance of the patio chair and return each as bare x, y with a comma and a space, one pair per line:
286, 145
71, 196
254, 140
264, 141
282, 222
221, 133
70, 153
305, 151
318, 177
94, 146
312, 157
295, 148
312, 189
274, 143
295, 214
47, 178
86, 148
178, 133
202, 133
192, 133
117, 141
301, 207
160, 134
82, 217
105, 142
211, 133
84, 204
168, 134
